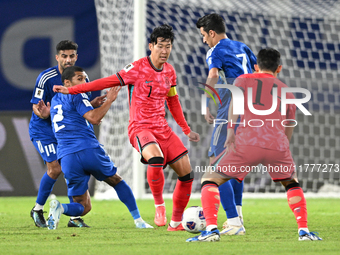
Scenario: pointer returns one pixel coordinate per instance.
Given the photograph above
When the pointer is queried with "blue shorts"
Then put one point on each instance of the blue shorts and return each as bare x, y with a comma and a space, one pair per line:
79, 166
218, 138
47, 149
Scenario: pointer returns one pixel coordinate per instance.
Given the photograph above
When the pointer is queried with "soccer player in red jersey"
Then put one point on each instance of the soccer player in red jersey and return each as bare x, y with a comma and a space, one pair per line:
259, 139
152, 81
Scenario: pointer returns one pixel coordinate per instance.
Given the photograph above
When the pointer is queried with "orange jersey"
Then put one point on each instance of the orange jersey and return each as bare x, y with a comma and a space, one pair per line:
265, 131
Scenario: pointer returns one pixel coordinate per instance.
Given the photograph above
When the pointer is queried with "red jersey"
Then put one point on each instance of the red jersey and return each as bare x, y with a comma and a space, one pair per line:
265, 131
148, 89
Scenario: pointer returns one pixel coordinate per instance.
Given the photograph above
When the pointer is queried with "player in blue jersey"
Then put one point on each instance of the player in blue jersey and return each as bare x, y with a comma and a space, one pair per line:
227, 59
40, 129
80, 153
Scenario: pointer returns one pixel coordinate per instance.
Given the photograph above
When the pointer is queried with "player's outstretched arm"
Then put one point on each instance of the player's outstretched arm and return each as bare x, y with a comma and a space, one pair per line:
60, 89
95, 116
103, 83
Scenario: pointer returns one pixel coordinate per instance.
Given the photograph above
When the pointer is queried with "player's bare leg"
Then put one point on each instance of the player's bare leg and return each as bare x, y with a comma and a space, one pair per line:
155, 176
182, 192
53, 169
298, 205
85, 201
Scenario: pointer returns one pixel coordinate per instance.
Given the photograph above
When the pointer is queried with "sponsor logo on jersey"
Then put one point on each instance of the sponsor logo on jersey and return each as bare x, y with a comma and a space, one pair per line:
128, 67
145, 139
87, 103
39, 93
167, 81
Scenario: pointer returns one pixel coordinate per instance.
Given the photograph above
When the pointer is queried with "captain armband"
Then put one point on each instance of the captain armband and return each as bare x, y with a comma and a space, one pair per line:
172, 92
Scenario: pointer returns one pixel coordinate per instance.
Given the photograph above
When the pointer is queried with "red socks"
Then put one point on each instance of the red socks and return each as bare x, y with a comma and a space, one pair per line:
210, 198
155, 176
181, 196
297, 203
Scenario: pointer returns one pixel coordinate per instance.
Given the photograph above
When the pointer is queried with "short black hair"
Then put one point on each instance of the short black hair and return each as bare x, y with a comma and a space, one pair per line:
268, 59
164, 31
66, 45
70, 72
212, 22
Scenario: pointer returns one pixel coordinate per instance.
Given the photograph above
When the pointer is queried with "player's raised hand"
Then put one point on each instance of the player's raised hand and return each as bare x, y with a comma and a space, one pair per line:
230, 141
44, 109
193, 136
208, 117
60, 89
113, 93
98, 101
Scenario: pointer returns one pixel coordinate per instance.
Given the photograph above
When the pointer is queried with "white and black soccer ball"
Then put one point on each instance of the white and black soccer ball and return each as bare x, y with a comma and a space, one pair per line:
193, 219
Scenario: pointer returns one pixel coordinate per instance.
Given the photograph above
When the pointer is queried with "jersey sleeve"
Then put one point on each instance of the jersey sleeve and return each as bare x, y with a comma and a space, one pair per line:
95, 85
176, 111
252, 58
82, 103
39, 92
173, 78
129, 74
174, 105
213, 60
173, 83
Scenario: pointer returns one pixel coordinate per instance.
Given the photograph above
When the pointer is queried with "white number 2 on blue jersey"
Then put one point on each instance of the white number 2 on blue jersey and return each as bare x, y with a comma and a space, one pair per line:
57, 118
244, 62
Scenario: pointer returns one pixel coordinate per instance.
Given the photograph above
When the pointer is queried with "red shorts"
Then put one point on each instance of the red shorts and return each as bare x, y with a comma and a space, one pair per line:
279, 164
172, 147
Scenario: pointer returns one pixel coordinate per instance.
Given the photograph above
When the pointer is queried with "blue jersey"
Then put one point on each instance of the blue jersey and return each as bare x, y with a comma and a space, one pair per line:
41, 129
232, 58
73, 132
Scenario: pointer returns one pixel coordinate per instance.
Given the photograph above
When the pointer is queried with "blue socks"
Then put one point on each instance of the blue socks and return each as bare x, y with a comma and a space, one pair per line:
45, 189
238, 191
231, 194
73, 209
125, 195
228, 199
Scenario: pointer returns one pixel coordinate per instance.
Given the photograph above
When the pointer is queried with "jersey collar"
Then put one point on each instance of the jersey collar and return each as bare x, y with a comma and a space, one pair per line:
154, 68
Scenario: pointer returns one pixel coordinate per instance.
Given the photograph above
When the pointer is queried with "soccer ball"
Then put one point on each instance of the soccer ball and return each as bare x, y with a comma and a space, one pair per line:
193, 219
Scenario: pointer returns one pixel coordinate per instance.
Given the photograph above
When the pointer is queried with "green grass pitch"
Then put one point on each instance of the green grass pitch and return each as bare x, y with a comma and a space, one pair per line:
270, 226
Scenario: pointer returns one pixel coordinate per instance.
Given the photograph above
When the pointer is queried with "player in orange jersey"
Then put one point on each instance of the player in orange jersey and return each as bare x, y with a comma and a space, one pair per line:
259, 139
152, 81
